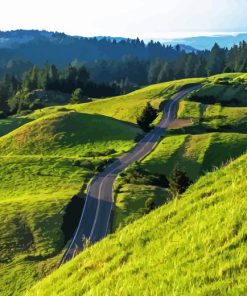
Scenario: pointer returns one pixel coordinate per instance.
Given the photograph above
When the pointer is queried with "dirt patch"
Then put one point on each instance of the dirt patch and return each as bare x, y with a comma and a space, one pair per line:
179, 123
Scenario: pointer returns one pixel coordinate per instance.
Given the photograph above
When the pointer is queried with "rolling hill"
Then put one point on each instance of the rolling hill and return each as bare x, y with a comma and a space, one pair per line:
196, 244
205, 137
50, 155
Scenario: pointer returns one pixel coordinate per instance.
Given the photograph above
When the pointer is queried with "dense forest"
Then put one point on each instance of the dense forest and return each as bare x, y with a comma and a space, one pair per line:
109, 77
60, 49
198, 64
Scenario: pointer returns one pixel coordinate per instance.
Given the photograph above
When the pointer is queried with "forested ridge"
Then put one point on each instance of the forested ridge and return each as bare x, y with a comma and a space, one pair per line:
109, 77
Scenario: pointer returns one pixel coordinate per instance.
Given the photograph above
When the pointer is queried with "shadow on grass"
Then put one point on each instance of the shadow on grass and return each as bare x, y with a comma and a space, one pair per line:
202, 129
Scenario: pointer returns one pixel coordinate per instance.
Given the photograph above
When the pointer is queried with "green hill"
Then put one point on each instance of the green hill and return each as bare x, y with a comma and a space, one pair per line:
207, 136
195, 154
49, 156
69, 134
34, 192
194, 245
127, 107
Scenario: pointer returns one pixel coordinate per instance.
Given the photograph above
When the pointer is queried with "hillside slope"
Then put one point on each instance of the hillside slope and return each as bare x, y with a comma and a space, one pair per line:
49, 156
194, 245
69, 134
127, 107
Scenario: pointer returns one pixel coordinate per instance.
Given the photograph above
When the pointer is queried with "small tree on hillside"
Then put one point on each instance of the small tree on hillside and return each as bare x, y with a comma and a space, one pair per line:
147, 117
178, 182
77, 96
149, 205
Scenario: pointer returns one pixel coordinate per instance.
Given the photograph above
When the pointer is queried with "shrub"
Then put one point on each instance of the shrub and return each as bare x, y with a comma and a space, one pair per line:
178, 182
147, 117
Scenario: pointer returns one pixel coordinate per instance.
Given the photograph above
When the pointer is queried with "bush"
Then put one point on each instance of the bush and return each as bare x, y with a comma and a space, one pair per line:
149, 205
77, 96
178, 182
139, 176
147, 117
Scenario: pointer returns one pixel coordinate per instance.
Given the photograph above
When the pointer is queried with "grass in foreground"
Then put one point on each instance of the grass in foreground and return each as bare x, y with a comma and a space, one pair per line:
194, 245
33, 194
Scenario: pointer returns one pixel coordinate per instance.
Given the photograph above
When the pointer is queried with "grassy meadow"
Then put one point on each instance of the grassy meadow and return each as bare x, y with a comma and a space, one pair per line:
195, 245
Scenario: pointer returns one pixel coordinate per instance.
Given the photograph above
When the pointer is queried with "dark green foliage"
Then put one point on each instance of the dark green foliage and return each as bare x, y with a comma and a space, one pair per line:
147, 117
139, 176
77, 96
178, 182
15, 94
216, 60
118, 73
149, 205
71, 217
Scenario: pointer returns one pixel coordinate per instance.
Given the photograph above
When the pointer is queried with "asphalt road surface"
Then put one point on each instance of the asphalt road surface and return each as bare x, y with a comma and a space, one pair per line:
95, 218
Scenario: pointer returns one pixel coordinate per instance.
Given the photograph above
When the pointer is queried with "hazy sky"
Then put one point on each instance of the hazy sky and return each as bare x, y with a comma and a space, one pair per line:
132, 18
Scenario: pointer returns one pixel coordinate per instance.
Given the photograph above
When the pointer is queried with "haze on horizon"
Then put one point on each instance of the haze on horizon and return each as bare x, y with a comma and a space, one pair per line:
142, 18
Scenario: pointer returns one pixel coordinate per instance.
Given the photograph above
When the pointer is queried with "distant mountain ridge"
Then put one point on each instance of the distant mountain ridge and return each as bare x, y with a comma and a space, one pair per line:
207, 42
9, 39
61, 49
15, 37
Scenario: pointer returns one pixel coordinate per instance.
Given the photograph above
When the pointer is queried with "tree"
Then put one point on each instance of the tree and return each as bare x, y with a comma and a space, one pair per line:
178, 182
216, 60
149, 205
154, 70
77, 96
147, 117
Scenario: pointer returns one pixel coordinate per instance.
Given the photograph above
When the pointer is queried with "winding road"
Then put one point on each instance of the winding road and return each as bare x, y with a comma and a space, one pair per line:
96, 215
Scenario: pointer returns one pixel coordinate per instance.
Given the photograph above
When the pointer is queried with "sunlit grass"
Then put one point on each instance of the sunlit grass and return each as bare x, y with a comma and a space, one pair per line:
192, 246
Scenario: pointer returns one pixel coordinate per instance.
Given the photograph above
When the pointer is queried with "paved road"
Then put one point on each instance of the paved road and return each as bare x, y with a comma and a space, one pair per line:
95, 218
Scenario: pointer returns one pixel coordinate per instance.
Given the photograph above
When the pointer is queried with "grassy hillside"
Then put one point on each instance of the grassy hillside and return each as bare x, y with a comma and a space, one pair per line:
127, 107
41, 168
195, 154
10, 124
194, 245
69, 134
214, 134
33, 194
48, 156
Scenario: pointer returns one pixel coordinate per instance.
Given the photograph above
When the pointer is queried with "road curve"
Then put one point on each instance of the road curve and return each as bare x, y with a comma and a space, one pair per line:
95, 218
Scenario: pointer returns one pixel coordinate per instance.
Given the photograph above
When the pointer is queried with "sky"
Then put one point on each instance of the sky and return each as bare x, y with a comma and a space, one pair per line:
126, 18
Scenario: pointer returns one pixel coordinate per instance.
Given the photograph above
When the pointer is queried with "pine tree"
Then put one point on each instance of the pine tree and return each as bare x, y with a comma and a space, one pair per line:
216, 60
77, 96
147, 117
178, 182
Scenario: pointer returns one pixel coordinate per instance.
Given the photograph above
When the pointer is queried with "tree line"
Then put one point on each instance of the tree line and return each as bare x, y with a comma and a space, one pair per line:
14, 92
130, 72
110, 77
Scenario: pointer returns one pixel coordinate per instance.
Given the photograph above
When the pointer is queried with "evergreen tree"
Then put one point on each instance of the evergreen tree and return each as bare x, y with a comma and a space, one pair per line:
147, 117
154, 70
149, 205
216, 60
178, 182
77, 96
